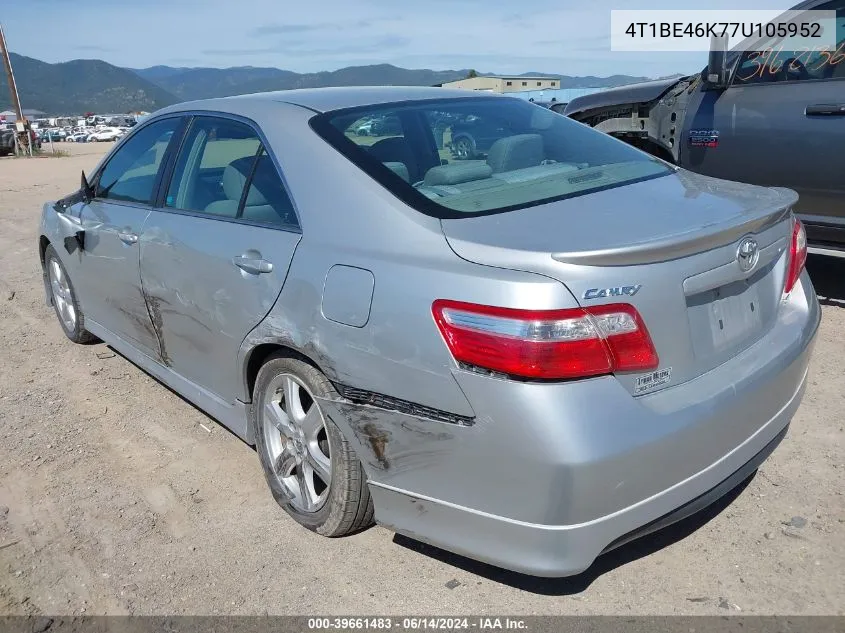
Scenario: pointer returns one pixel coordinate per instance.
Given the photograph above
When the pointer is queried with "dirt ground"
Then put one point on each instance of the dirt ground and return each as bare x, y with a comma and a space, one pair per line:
117, 496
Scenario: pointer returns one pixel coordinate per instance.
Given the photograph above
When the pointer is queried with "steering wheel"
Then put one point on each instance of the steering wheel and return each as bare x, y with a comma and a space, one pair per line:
792, 69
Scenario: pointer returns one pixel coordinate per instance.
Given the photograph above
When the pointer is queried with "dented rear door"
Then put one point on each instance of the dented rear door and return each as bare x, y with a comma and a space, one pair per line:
215, 254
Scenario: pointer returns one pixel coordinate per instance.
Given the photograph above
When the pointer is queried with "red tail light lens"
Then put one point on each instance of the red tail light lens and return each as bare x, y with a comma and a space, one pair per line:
797, 256
547, 343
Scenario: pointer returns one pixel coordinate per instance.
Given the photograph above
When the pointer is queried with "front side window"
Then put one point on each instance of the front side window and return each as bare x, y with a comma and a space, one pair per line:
130, 174
770, 62
478, 155
224, 170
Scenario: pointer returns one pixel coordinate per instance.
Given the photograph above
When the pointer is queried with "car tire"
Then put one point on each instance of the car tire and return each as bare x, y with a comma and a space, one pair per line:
463, 147
296, 442
65, 303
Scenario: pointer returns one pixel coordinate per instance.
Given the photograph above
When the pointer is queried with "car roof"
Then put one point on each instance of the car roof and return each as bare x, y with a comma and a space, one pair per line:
327, 99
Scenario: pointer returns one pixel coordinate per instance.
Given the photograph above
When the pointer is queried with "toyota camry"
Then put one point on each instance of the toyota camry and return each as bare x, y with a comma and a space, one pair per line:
528, 355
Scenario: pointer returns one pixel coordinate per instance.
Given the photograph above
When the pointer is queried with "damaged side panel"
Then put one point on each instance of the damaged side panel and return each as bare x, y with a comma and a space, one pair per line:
202, 305
455, 464
395, 448
104, 269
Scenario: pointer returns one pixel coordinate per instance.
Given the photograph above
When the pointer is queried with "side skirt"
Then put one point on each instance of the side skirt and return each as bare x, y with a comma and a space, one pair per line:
233, 416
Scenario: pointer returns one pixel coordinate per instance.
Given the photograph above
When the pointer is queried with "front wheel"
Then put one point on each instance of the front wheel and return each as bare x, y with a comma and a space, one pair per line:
312, 471
64, 299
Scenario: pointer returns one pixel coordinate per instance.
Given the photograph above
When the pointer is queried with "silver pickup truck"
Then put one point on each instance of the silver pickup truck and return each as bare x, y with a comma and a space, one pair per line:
757, 114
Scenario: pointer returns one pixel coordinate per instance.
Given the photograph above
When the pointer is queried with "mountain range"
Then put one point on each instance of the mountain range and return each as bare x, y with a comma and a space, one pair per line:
92, 85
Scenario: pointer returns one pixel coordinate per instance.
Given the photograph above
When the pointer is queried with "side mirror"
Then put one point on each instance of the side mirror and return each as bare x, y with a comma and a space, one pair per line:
717, 69
86, 189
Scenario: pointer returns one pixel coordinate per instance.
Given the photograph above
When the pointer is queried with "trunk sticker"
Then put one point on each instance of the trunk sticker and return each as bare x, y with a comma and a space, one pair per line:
652, 380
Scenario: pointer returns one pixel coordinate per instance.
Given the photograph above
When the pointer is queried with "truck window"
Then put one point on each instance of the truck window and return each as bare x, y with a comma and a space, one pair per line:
770, 63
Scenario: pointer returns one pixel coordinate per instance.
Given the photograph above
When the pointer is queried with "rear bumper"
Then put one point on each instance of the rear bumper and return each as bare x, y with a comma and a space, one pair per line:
551, 475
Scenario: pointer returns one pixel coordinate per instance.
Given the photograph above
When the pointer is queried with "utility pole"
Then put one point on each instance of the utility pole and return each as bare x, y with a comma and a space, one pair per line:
13, 87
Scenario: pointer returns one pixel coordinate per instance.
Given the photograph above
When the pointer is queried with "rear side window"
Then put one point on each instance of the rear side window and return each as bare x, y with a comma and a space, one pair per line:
130, 174
266, 200
224, 170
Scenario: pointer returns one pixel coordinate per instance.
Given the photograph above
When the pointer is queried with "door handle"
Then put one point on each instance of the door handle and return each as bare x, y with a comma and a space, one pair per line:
128, 238
254, 265
825, 109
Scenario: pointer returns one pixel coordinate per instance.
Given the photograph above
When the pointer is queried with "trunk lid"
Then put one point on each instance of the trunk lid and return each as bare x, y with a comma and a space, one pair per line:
668, 246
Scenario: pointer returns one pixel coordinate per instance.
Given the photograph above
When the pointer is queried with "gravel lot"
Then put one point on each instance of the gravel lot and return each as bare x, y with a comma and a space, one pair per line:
117, 496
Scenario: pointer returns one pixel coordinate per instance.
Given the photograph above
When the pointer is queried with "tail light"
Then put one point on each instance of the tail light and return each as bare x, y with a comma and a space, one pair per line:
797, 256
549, 344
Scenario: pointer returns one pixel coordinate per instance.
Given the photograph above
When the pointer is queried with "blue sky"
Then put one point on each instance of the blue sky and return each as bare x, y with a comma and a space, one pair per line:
505, 36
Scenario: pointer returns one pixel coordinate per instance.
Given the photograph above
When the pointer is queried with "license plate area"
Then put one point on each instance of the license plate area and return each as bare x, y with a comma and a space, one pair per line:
734, 314
728, 318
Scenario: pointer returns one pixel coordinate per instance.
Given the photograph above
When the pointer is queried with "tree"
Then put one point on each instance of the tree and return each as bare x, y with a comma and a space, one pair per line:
471, 74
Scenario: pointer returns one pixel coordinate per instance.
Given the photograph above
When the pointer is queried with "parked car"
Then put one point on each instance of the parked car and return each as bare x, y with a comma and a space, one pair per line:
78, 137
106, 134
377, 126
473, 135
572, 344
7, 141
52, 134
771, 118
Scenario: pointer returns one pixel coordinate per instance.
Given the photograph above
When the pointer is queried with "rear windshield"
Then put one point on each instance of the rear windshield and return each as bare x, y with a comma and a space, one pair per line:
455, 158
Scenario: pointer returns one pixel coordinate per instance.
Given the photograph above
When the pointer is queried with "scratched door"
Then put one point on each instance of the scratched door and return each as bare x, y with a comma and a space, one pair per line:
215, 256
124, 189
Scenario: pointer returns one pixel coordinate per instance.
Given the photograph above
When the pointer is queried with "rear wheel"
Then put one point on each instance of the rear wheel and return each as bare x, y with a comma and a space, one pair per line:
64, 298
312, 471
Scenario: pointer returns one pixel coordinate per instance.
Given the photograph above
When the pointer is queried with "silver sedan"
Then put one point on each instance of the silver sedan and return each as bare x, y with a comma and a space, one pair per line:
528, 354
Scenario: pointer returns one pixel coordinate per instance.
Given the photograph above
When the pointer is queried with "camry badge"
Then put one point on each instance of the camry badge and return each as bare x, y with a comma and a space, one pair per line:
617, 291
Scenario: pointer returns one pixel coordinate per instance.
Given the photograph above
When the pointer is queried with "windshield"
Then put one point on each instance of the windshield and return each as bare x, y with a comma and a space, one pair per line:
460, 157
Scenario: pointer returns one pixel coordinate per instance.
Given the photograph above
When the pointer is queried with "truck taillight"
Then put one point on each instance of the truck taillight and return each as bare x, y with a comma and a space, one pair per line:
797, 256
547, 344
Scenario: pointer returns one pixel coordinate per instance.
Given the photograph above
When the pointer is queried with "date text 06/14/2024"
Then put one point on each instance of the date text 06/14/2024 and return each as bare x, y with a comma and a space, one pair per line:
416, 623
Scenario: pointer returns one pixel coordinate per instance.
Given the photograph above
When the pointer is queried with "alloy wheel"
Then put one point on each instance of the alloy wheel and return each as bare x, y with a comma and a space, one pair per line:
297, 442
62, 296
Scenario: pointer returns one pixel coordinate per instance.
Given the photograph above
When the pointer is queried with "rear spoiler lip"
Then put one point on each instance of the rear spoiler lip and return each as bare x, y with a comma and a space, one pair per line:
702, 239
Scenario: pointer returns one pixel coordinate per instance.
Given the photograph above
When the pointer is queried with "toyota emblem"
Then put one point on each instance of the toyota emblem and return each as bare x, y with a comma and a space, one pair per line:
747, 254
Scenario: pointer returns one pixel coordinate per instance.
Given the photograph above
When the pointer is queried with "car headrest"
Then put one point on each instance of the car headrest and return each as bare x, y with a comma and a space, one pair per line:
456, 174
234, 179
391, 149
516, 152
400, 169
